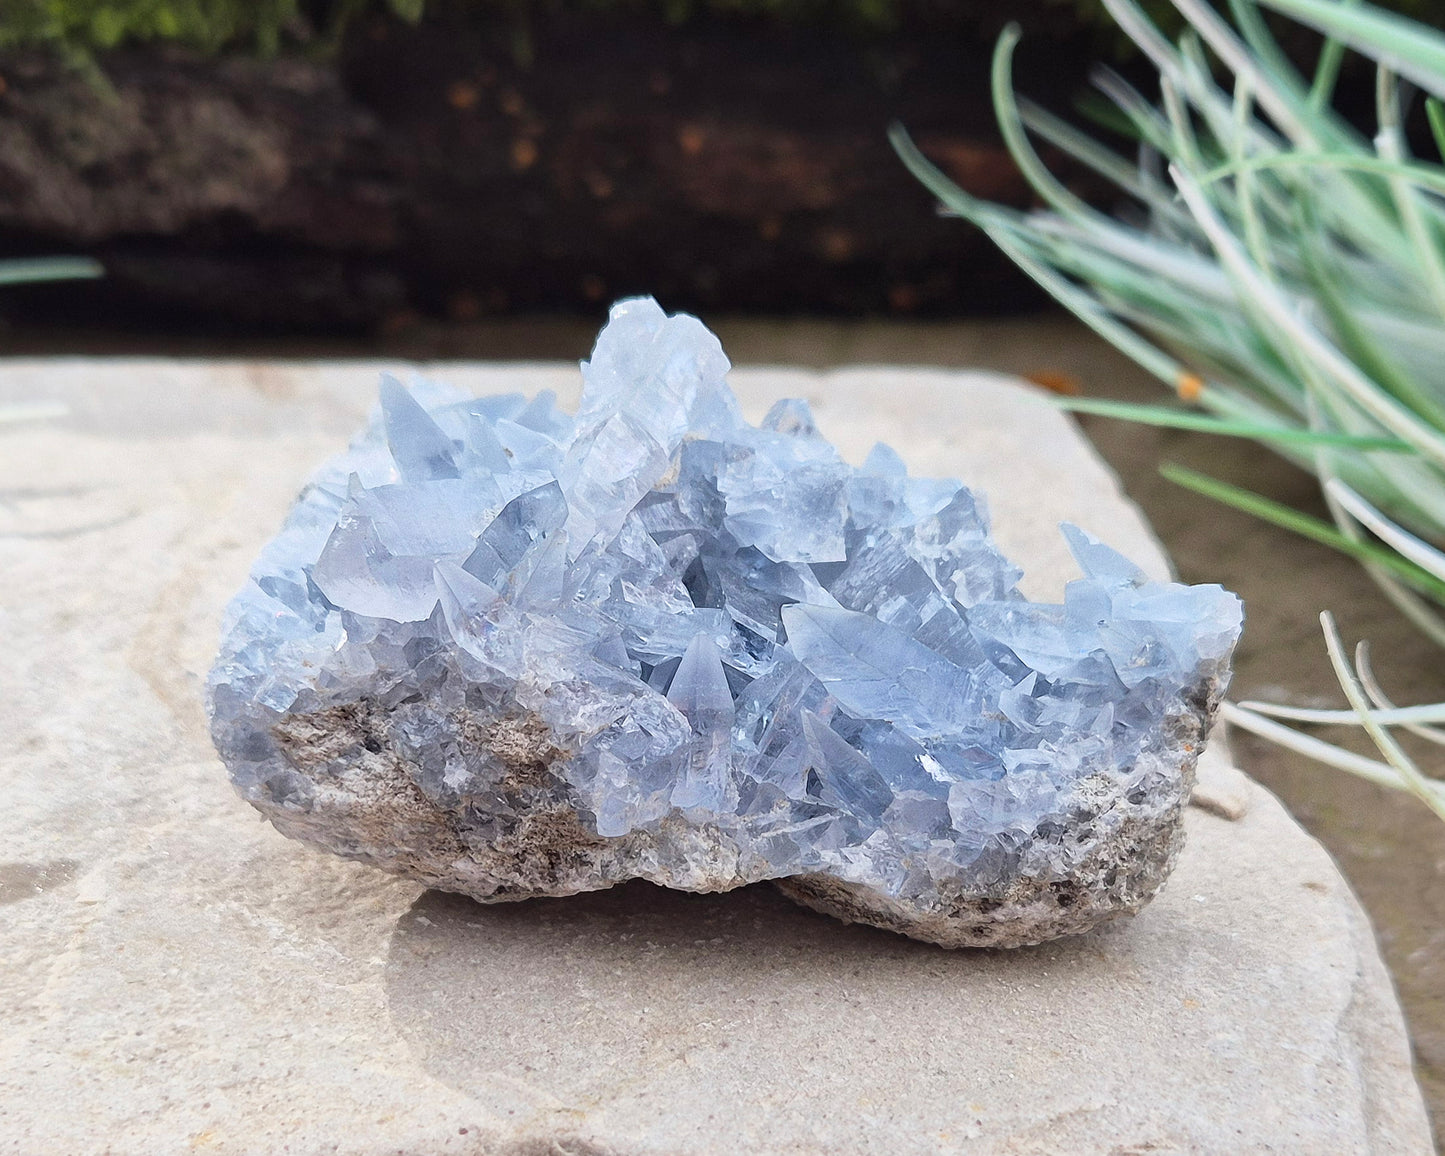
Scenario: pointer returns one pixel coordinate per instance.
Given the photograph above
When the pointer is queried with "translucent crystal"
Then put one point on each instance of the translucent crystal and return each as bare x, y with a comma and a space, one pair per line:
513, 652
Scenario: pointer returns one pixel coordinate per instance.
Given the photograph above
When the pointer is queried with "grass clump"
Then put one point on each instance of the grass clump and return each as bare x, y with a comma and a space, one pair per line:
1281, 272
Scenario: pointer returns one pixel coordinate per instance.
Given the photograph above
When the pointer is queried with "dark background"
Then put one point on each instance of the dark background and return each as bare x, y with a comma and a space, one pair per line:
493, 160
347, 171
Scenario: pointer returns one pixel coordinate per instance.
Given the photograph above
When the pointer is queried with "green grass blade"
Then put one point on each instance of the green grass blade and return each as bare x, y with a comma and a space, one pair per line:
1355, 338
1435, 113
1408, 47
1425, 176
1263, 44
1088, 309
48, 269
1423, 554
931, 177
1426, 790
1264, 300
1385, 716
1382, 774
1097, 109
1104, 161
1414, 215
1313, 102
1015, 135
1144, 33
1146, 124
1169, 418
1306, 525
1285, 105
1327, 71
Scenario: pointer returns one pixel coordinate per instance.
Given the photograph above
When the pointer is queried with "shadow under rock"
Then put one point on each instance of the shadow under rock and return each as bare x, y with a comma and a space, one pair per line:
640, 991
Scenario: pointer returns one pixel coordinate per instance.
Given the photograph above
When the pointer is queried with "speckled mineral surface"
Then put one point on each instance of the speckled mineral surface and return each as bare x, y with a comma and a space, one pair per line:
512, 653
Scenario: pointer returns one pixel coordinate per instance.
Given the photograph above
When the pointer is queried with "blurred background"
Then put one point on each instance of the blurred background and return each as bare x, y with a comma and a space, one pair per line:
429, 179
357, 169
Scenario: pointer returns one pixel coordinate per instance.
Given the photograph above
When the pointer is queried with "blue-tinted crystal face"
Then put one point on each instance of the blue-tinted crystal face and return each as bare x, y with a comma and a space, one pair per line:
827, 667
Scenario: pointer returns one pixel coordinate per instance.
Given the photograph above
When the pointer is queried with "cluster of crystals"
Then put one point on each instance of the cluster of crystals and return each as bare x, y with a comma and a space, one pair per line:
827, 667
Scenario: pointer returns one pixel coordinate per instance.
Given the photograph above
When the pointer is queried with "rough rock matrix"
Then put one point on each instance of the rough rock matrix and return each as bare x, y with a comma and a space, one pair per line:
511, 653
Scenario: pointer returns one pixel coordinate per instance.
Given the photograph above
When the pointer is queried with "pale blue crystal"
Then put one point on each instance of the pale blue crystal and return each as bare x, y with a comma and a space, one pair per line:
719, 651
875, 671
699, 690
418, 446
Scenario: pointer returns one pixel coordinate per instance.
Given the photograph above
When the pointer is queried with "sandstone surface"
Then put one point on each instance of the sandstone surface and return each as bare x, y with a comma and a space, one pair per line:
176, 976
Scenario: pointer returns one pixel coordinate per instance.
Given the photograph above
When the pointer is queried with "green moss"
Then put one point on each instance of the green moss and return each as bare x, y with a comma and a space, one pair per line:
92, 25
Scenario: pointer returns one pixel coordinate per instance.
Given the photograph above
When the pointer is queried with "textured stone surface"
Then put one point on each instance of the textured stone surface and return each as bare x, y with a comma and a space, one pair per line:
511, 653
176, 976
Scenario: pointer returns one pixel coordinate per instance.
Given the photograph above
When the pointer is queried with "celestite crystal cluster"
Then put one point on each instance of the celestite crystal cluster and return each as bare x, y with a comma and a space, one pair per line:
510, 652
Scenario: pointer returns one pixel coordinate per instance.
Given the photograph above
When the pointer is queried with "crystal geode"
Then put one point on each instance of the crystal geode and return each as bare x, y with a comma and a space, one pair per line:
511, 653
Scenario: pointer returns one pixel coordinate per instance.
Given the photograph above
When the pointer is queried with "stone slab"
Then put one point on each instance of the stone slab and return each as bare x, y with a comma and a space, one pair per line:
175, 976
